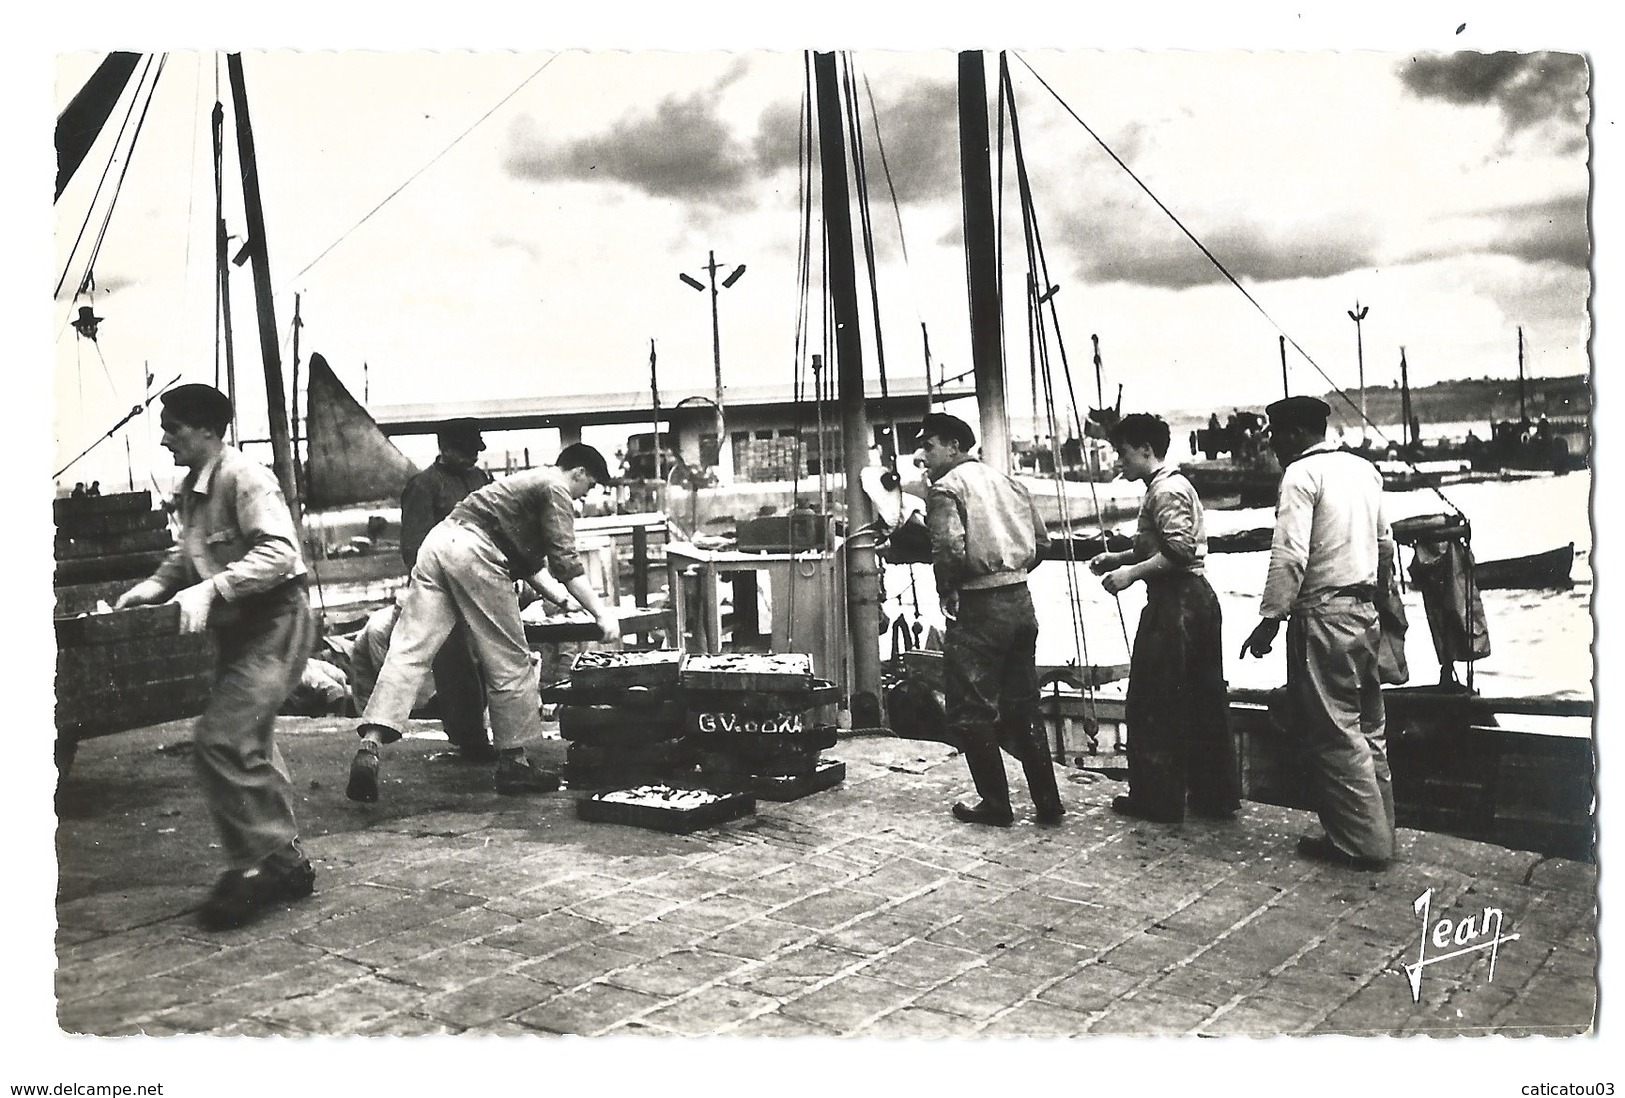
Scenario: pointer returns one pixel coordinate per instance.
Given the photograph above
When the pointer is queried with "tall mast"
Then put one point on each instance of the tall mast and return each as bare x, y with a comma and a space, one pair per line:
1405, 402
276, 399
223, 267
654, 393
1523, 413
982, 261
81, 122
298, 469
862, 568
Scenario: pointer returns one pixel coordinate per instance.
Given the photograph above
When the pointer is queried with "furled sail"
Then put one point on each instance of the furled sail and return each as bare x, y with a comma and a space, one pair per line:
350, 460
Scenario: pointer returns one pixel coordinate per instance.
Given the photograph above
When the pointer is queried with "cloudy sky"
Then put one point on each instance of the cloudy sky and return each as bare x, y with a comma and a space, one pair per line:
489, 225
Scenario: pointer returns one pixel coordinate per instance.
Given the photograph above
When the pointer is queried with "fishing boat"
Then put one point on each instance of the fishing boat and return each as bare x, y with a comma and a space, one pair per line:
1548, 569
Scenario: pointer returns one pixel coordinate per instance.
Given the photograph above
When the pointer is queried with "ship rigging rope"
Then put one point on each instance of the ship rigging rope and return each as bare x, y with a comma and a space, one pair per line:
1038, 265
860, 174
1225, 271
90, 262
432, 162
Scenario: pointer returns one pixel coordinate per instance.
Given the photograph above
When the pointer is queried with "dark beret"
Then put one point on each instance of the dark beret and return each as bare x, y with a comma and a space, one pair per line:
198, 405
946, 426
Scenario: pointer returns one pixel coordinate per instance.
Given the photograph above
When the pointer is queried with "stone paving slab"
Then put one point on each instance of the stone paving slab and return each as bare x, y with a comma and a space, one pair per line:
865, 910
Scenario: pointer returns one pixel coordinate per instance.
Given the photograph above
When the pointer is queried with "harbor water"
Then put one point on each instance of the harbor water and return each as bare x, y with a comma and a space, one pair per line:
1541, 639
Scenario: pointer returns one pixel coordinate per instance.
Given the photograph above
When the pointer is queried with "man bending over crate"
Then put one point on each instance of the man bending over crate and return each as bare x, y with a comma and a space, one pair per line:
465, 572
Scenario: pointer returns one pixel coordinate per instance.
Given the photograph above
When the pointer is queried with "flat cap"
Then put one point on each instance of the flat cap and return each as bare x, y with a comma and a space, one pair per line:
1299, 411
578, 455
461, 432
946, 426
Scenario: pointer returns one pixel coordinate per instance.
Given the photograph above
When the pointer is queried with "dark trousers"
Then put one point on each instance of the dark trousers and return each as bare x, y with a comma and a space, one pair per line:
1178, 729
262, 651
991, 682
459, 691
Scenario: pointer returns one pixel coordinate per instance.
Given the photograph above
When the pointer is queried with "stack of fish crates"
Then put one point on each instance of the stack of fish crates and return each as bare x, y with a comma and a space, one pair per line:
622, 717
759, 723
118, 669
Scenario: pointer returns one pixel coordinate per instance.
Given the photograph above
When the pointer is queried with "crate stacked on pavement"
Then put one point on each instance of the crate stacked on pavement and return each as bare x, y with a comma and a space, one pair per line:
622, 717
760, 723
122, 669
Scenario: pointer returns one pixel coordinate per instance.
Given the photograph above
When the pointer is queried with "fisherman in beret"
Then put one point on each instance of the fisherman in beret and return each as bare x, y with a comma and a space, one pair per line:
985, 534
507, 531
427, 498
237, 571
1332, 552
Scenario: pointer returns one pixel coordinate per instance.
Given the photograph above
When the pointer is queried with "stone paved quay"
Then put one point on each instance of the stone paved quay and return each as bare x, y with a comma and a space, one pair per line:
865, 910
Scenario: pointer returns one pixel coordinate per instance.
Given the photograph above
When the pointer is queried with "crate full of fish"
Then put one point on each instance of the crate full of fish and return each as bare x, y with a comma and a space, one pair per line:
600, 670
665, 808
789, 672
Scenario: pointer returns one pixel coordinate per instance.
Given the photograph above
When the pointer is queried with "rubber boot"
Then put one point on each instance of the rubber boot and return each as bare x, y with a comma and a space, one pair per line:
987, 771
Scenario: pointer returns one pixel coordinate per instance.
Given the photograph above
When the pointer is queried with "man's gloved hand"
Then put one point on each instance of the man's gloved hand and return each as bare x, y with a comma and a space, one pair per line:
195, 602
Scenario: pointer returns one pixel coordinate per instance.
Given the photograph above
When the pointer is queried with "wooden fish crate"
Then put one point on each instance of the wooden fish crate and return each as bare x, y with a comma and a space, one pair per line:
568, 693
582, 722
717, 808
822, 693
768, 787
612, 670
766, 745
789, 673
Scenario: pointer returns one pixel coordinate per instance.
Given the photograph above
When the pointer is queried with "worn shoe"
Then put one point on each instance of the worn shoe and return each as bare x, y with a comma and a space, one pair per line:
998, 815
1049, 814
1322, 849
242, 895
1221, 815
363, 776
1127, 806
519, 776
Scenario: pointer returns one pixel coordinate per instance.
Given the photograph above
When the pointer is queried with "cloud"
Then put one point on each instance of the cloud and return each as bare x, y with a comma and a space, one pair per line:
1107, 244
1553, 230
1542, 92
680, 149
915, 141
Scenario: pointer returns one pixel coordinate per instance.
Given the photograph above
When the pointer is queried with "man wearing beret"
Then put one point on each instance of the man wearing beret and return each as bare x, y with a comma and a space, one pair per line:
427, 498
237, 571
466, 567
1332, 552
985, 535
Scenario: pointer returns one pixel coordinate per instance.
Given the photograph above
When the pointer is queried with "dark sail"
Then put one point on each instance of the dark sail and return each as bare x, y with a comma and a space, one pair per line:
350, 461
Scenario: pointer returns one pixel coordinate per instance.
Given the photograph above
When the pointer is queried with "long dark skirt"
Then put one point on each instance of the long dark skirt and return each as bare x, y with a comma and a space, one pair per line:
1178, 732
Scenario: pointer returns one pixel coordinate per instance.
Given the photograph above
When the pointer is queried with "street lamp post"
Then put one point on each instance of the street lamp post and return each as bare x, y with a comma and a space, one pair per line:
1357, 314
716, 333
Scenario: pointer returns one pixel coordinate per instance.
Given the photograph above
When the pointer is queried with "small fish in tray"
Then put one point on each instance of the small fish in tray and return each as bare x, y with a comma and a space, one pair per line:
598, 670
665, 807
790, 672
